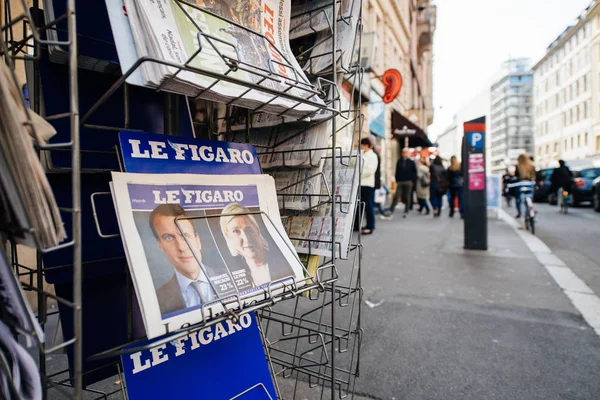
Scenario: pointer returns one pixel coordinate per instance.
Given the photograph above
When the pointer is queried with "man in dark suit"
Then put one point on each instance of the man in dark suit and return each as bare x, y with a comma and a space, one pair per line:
189, 286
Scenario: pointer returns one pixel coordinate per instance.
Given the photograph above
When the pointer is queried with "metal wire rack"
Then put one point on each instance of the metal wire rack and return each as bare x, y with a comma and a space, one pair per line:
311, 332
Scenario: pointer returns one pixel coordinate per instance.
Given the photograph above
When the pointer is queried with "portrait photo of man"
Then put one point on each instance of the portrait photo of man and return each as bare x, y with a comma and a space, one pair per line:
249, 247
189, 285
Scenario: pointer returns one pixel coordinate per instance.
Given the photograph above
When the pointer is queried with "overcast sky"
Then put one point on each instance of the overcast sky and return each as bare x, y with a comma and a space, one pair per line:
473, 37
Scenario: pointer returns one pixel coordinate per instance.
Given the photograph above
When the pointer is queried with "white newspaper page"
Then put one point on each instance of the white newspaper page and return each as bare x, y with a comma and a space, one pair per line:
196, 244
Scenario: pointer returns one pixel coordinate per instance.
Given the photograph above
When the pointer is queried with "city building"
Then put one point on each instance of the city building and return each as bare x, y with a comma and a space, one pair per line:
593, 16
401, 34
566, 93
510, 130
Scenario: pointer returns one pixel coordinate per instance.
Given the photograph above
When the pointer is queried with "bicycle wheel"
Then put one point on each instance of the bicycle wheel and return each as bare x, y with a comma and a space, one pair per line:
532, 225
526, 222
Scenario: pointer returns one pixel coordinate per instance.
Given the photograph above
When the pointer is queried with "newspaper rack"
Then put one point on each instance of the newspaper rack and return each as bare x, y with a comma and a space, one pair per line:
311, 333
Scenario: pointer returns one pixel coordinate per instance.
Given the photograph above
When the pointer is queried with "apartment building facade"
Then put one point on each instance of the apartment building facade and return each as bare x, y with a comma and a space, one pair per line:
402, 35
511, 115
566, 92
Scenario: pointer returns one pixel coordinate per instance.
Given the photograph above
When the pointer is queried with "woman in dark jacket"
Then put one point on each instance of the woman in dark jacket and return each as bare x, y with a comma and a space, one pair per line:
455, 180
439, 185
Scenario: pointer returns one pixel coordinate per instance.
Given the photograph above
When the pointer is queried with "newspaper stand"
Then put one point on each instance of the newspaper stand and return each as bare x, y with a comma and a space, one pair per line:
312, 340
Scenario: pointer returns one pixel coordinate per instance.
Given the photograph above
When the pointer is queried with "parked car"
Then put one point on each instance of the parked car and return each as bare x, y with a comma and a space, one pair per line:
582, 189
596, 193
542, 184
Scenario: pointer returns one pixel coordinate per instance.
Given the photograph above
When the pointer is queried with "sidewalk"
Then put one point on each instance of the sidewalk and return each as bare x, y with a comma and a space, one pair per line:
441, 322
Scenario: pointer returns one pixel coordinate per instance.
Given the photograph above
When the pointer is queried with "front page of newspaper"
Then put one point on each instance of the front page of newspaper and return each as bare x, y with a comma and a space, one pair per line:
197, 245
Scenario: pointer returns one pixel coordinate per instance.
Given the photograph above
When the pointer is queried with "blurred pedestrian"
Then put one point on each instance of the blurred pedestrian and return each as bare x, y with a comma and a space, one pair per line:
455, 180
507, 179
367, 184
439, 185
406, 175
423, 183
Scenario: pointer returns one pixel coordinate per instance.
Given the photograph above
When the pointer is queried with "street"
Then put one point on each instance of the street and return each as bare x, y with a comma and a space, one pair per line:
456, 324
573, 238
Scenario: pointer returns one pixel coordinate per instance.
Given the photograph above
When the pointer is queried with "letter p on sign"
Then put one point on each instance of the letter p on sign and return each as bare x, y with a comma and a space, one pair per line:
476, 140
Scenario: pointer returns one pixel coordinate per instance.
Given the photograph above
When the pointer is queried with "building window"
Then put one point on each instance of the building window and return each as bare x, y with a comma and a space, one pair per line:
570, 116
585, 83
556, 147
565, 146
585, 139
556, 100
577, 88
585, 107
564, 119
570, 92
578, 141
570, 67
572, 142
597, 144
577, 113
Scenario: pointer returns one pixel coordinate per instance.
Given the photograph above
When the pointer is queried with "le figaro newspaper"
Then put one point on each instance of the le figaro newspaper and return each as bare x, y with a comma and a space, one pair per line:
198, 245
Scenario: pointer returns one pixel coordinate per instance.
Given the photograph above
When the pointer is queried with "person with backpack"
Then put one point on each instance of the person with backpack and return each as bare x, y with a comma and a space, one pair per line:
423, 183
438, 186
455, 180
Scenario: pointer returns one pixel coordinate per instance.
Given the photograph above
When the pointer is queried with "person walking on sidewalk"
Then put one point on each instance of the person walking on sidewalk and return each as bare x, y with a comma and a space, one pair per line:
367, 183
455, 180
423, 183
406, 176
439, 185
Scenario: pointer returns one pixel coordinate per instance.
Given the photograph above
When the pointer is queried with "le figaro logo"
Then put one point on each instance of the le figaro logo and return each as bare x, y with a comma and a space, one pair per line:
157, 149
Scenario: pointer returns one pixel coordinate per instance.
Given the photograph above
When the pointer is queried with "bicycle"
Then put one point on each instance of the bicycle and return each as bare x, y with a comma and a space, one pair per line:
564, 199
526, 196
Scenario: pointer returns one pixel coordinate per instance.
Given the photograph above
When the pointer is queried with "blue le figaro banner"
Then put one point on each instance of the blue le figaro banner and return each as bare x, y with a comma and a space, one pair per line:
220, 361
151, 153
217, 363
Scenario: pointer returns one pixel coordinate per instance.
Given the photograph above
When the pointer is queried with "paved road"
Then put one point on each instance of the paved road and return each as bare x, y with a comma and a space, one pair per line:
456, 324
574, 238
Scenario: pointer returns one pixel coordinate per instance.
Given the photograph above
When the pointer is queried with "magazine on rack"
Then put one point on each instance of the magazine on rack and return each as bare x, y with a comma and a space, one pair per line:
247, 40
347, 40
291, 145
199, 245
310, 16
299, 188
235, 118
311, 234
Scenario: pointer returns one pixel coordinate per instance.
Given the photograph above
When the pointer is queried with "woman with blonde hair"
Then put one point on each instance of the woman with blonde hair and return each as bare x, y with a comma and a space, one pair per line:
455, 179
524, 172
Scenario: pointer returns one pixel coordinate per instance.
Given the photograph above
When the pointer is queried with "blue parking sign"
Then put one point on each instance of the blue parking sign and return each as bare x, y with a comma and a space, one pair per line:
476, 140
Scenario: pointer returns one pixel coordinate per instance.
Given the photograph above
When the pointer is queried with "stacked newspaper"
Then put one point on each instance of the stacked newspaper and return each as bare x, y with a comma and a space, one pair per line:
14, 307
299, 189
27, 205
234, 118
292, 145
245, 40
312, 29
312, 234
198, 245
